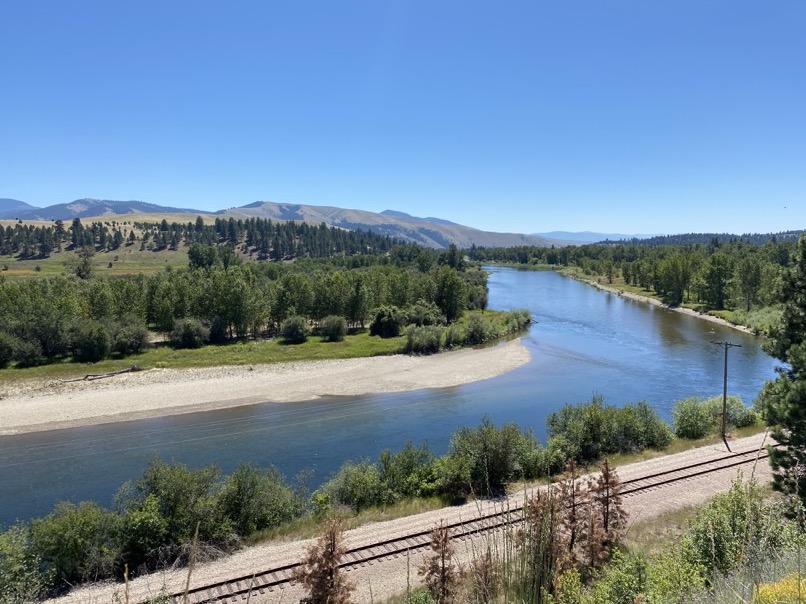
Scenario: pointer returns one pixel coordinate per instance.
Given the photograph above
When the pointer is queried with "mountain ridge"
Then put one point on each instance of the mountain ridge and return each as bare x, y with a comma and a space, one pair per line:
430, 232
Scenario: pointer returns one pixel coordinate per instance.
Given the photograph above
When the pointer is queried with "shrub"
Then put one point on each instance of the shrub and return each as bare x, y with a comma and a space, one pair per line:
737, 528
409, 472
187, 498
424, 313
8, 344
518, 320
28, 353
21, 579
129, 336
691, 419
739, 415
76, 542
295, 329
189, 333
592, 430
486, 456
388, 322
254, 499
91, 342
333, 328
478, 330
357, 485
695, 418
423, 340
453, 335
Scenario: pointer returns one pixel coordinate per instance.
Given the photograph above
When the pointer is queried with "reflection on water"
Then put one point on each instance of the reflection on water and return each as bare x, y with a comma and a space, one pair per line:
587, 341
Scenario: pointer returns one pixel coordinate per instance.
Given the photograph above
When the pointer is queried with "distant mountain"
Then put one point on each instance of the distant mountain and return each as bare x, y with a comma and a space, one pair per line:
430, 232
91, 208
9, 208
405, 216
589, 236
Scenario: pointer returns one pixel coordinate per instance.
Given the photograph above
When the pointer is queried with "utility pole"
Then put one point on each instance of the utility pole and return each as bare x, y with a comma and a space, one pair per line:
725, 345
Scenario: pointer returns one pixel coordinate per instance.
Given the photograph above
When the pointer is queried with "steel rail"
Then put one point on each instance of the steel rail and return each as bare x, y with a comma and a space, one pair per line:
235, 589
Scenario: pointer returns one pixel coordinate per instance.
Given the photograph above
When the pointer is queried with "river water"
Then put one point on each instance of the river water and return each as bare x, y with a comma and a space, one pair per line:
585, 342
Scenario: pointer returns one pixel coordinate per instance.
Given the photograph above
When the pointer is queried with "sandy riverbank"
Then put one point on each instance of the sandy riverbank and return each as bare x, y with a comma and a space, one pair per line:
685, 311
38, 406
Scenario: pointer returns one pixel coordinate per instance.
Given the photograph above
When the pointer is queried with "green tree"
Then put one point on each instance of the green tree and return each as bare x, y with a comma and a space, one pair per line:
718, 272
784, 399
748, 279
450, 296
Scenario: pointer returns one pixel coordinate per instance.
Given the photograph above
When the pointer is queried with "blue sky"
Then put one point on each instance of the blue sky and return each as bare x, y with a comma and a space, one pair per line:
618, 116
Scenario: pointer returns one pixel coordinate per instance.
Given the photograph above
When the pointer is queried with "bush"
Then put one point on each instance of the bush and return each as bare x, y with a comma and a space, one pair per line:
186, 497
388, 322
295, 329
482, 460
28, 353
592, 430
424, 313
478, 330
91, 342
254, 500
453, 335
738, 528
696, 418
423, 340
77, 542
8, 344
691, 419
409, 472
518, 320
333, 328
189, 333
129, 336
357, 485
21, 580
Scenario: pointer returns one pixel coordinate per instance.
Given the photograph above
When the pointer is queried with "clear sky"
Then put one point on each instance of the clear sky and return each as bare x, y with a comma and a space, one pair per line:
632, 116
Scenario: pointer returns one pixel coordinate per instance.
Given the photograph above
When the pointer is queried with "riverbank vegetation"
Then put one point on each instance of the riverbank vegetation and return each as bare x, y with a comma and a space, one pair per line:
157, 516
739, 548
738, 279
347, 283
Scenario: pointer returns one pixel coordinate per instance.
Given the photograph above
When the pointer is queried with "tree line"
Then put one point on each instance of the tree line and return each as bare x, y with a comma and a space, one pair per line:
91, 318
259, 238
716, 276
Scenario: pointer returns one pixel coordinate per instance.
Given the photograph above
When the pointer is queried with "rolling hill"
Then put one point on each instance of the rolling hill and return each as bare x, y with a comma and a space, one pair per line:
90, 208
430, 232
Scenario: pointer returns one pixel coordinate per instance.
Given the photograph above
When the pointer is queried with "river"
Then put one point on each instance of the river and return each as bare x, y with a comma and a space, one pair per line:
585, 342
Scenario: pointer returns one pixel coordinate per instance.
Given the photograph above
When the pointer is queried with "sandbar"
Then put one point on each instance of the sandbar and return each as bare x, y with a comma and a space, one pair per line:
55, 404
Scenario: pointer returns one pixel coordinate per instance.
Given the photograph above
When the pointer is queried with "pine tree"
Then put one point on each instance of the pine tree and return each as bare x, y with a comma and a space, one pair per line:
320, 572
606, 498
574, 499
438, 571
784, 399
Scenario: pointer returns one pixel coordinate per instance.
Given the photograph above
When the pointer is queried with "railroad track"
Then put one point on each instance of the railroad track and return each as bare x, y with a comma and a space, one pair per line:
237, 589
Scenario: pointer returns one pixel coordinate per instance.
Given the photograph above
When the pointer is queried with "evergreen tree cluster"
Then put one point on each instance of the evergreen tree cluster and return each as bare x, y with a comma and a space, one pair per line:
256, 238
741, 273
90, 319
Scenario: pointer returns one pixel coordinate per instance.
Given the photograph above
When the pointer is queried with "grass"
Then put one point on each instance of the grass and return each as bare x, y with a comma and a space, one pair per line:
245, 352
237, 353
126, 260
